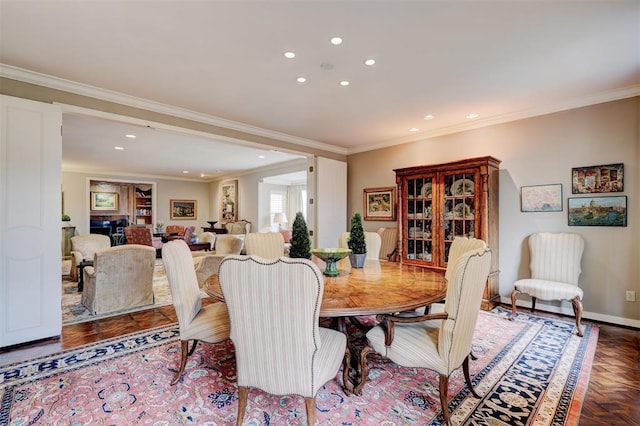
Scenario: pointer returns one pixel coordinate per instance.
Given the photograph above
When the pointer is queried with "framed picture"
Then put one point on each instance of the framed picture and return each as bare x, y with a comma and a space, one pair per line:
229, 201
597, 179
541, 198
183, 209
380, 203
104, 201
598, 211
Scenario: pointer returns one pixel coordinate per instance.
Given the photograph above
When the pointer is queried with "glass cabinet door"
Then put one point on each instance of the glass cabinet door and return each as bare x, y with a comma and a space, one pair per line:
459, 210
420, 221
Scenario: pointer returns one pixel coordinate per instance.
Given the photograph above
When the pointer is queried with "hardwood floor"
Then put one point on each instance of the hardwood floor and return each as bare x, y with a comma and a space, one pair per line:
613, 397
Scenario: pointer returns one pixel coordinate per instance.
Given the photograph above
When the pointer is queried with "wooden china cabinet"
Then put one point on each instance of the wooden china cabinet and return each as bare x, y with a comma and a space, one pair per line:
442, 201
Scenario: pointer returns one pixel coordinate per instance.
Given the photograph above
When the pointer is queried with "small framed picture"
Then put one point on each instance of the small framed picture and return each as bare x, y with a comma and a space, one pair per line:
379, 203
541, 198
598, 211
183, 209
597, 179
104, 201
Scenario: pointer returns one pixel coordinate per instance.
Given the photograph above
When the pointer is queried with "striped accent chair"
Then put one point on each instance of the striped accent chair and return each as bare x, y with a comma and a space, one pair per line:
440, 342
269, 245
210, 323
372, 240
229, 244
555, 270
274, 306
388, 248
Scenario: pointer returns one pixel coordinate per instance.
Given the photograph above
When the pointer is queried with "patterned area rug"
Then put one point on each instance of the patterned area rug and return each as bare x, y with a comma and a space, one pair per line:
532, 371
73, 311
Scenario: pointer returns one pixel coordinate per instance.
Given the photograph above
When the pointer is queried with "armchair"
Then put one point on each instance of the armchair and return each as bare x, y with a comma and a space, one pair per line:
143, 236
239, 227
555, 270
268, 245
208, 237
182, 232
440, 342
83, 247
229, 244
296, 287
389, 243
371, 239
121, 278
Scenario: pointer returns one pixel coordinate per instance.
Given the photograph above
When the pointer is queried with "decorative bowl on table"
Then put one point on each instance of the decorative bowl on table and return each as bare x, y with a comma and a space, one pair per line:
330, 256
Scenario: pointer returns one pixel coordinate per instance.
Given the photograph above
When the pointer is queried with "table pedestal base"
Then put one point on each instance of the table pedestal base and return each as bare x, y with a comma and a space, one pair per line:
355, 371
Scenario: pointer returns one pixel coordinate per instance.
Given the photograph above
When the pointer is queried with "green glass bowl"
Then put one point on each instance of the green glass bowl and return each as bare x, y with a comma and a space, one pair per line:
330, 256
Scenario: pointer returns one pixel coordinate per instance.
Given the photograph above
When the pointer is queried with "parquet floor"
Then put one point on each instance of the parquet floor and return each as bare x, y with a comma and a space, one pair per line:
613, 397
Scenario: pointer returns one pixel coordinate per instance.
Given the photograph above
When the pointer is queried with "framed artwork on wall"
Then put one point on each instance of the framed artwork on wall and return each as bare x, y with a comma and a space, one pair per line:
597, 179
541, 198
379, 203
183, 209
229, 201
598, 211
104, 201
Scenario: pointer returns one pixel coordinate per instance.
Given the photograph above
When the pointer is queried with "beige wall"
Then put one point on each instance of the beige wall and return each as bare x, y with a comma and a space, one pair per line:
537, 151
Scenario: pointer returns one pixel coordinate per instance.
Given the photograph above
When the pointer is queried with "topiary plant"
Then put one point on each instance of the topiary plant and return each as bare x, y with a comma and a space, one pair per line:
356, 237
300, 243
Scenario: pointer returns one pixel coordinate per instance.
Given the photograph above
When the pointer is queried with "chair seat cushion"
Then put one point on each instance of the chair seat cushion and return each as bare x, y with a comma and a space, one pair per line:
548, 290
329, 357
414, 345
211, 324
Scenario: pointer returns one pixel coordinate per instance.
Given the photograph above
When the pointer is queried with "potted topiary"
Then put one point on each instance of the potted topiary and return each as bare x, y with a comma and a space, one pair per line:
356, 242
300, 243
66, 219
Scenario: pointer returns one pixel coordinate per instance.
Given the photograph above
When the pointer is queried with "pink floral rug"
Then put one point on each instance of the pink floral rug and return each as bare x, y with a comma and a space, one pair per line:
532, 371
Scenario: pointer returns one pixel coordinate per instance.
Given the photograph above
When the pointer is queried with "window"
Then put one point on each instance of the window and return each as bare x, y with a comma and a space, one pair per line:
276, 206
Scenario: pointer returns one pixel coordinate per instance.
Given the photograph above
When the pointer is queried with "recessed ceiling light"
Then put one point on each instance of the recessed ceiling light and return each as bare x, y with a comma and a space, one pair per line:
301, 79
336, 41
414, 129
130, 136
202, 174
118, 148
429, 117
260, 156
185, 171
344, 83
289, 55
370, 62
472, 115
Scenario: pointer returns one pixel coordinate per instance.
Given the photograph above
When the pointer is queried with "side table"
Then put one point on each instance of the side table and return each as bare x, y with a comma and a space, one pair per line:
81, 267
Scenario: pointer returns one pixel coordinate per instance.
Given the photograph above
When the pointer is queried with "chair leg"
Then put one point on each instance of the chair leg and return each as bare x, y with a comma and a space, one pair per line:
310, 403
193, 348
183, 361
444, 386
533, 304
243, 394
467, 377
513, 304
577, 310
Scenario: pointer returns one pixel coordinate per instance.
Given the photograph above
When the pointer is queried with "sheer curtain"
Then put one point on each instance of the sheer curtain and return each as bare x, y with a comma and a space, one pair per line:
296, 202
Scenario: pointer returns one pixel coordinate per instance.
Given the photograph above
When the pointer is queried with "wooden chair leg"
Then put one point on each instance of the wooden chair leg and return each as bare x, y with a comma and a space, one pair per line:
533, 304
193, 348
444, 387
184, 344
243, 395
513, 304
467, 377
577, 310
310, 403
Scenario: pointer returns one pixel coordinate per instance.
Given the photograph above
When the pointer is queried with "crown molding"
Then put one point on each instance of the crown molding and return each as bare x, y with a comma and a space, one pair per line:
82, 89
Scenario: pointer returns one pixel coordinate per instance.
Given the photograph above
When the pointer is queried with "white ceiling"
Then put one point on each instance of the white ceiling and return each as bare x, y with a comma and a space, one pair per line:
503, 60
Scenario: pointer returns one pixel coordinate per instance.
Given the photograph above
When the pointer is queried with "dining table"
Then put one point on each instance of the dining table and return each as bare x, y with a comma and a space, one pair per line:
380, 287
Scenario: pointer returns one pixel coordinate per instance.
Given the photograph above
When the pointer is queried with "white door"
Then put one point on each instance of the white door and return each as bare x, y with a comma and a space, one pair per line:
30, 209
327, 186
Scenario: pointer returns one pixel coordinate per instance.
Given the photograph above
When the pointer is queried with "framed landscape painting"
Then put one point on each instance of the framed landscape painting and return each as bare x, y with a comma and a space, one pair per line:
380, 203
541, 198
104, 201
183, 209
598, 211
597, 179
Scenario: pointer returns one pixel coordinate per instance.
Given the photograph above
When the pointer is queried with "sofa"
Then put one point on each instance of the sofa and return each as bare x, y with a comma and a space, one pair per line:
121, 278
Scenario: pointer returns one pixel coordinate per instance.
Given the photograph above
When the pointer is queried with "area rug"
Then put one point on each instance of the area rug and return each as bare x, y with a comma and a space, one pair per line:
73, 311
532, 371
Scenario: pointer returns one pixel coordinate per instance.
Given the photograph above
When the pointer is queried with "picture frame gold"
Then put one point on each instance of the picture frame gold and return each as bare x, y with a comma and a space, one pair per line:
183, 209
229, 201
379, 203
104, 201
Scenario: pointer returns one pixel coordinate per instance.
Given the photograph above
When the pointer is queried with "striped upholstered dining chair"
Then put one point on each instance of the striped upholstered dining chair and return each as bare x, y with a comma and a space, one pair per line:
555, 269
280, 347
441, 341
269, 245
209, 324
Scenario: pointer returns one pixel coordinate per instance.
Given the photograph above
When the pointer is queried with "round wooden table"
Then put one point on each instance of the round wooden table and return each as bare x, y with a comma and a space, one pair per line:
379, 288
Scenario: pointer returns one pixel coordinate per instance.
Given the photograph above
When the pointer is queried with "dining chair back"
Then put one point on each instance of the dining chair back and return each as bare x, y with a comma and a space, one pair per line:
274, 305
269, 245
210, 323
372, 241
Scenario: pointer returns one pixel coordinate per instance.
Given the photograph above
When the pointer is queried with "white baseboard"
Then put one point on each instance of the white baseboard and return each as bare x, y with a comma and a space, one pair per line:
569, 311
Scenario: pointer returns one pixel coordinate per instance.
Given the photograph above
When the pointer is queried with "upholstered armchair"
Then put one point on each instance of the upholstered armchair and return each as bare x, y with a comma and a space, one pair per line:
182, 232
210, 323
371, 239
555, 270
229, 244
206, 266
269, 245
440, 342
83, 247
388, 243
239, 227
277, 313
174, 230
208, 237
143, 236
121, 278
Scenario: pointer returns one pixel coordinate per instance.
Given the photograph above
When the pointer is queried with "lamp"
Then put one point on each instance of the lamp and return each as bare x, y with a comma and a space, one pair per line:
279, 218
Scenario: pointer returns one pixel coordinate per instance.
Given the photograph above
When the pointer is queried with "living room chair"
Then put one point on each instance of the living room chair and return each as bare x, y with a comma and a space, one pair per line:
440, 342
179, 232
555, 270
239, 227
229, 244
210, 323
143, 236
206, 266
208, 237
279, 314
83, 247
121, 278
371, 239
268, 245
